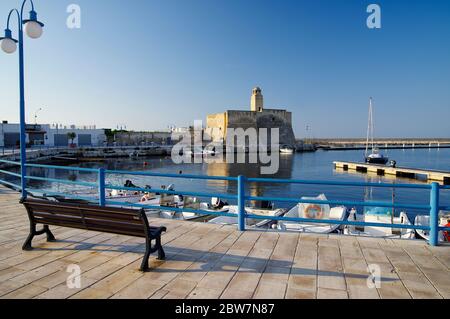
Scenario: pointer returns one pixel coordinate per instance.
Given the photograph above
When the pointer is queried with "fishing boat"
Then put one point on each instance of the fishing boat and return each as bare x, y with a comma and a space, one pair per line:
313, 211
424, 220
375, 157
264, 210
382, 215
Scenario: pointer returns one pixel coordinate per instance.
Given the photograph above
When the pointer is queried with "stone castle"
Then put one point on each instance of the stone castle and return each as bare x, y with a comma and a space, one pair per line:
258, 117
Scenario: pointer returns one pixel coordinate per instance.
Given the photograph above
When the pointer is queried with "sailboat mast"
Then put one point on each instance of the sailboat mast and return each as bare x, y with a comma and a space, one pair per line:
371, 122
368, 127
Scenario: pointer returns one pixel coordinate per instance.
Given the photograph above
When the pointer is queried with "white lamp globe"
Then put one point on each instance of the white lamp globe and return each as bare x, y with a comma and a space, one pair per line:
8, 46
33, 29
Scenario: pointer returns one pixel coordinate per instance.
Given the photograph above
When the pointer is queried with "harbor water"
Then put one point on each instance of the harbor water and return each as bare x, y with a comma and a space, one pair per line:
307, 166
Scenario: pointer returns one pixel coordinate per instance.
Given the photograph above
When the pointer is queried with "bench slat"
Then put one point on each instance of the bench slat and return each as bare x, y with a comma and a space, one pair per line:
51, 205
80, 214
43, 218
78, 211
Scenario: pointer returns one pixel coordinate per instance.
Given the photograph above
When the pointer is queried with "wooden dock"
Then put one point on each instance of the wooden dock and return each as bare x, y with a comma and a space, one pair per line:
442, 177
213, 261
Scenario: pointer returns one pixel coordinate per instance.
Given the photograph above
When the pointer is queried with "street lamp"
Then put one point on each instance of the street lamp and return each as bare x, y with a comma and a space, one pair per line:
33, 28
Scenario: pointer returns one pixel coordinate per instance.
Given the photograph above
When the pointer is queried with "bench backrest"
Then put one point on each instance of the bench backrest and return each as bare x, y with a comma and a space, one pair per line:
103, 219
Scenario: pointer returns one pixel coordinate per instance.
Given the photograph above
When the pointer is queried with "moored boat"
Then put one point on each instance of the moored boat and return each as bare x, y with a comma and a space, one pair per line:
381, 215
286, 149
313, 211
268, 211
424, 220
375, 157
186, 204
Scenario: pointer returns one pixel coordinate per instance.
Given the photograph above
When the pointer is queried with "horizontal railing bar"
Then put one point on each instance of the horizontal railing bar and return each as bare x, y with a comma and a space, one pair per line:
10, 173
335, 183
52, 193
336, 222
164, 191
66, 168
331, 202
62, 181
10, 162
222, 178
174, 209
10, 184
444, 207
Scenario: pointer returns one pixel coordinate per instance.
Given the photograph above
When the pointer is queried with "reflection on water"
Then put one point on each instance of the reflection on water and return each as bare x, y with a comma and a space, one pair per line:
317, 166
253, 171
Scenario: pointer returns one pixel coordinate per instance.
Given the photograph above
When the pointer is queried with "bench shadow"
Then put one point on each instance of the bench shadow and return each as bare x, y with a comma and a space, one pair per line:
210, 261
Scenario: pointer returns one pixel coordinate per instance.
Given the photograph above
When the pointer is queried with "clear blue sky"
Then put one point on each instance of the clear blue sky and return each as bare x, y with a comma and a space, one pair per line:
151, 63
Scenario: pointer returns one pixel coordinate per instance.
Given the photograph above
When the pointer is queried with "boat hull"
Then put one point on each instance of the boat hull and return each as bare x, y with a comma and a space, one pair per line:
424, 220
381, 232
250, 223
380, 160
337, 213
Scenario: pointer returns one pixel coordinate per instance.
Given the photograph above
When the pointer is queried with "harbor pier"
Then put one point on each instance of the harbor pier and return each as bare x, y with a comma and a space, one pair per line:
215, 261
333, 144
442, 177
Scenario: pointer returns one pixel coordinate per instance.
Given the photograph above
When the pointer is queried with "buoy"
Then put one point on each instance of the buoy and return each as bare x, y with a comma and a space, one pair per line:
447, 233
145, 163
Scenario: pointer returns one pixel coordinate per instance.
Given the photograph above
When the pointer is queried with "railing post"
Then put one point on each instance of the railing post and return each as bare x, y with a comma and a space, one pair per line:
101, 187
434, 214
241, 203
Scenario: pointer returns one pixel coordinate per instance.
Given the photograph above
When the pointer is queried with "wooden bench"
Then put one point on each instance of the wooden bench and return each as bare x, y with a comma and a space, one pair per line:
95, 218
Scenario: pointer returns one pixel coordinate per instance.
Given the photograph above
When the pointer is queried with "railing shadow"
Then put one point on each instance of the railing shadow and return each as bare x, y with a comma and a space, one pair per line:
211, 261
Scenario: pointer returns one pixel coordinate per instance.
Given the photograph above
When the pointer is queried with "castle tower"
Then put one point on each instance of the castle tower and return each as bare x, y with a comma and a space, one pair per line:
257, 100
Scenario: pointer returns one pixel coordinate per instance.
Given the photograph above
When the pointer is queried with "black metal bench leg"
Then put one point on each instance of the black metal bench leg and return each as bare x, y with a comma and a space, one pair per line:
50, 236
144, 264
27, 244
161, 253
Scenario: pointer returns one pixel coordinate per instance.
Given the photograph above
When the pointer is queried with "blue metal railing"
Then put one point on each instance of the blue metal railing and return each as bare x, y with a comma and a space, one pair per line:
101, 187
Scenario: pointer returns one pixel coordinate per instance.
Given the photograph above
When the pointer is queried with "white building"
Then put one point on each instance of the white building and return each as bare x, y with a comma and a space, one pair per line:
51, 135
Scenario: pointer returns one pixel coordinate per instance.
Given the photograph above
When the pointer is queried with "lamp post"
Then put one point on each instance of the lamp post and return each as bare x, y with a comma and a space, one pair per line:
8, 44
36, 115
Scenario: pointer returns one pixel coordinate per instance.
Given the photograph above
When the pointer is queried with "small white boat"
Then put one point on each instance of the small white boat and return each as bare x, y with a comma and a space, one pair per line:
209, 152
199, 151
424, 220
183, 202
287, 150
380, 215
124, 196
250, 222
314, 211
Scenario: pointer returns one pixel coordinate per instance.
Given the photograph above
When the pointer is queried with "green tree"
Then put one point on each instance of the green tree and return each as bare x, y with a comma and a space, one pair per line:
71, 136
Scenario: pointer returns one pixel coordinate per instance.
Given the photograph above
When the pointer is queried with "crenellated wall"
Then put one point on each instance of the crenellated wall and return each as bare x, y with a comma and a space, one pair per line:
217, 124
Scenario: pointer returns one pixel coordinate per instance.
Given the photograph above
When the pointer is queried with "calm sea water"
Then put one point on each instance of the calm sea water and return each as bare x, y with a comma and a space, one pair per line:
317, 166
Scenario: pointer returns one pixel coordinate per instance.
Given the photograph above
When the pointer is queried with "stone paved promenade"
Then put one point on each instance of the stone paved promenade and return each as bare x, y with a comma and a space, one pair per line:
213, 261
